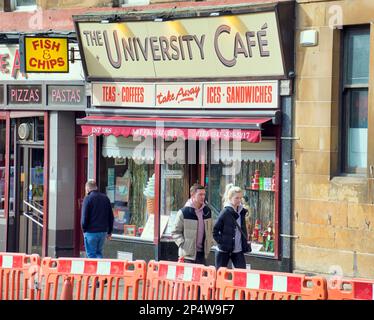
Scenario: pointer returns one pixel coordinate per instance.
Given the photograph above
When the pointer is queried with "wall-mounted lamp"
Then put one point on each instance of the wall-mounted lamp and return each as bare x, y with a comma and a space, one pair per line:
309, 38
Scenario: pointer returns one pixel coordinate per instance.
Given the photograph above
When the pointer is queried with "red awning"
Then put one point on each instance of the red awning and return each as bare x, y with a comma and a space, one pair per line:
189, 128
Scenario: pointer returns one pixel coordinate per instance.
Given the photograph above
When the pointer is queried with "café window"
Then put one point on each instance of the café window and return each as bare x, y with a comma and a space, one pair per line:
355, 100
127, 177
250, 166
2, 165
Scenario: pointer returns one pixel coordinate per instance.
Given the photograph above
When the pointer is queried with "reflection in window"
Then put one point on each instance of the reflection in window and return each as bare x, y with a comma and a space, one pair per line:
355, 100
127, 178
255, 175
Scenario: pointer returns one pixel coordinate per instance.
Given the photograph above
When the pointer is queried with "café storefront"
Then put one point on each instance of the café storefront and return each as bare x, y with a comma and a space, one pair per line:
194, 97
40, 148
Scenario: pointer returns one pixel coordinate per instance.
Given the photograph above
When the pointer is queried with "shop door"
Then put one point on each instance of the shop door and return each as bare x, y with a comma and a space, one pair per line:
81, 178
29, 194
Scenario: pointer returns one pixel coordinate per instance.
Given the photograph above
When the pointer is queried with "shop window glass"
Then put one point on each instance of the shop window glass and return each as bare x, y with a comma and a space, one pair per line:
253, 170
2, 165
127, 178
174, 184
355, 100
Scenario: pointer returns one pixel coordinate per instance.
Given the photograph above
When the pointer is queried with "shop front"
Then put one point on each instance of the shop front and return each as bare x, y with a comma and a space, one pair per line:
38, 143
176, 103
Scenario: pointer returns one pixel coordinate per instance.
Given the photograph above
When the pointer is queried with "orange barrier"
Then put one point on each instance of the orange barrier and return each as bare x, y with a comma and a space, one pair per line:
18, 276
168, 280
350, 289
239, 284
92, 279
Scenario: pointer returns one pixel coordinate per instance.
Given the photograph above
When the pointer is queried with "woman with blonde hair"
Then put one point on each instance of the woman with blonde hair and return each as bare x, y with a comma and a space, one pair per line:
230, 230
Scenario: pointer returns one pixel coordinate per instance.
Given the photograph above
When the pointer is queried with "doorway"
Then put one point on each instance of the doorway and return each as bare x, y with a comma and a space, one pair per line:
29, 198
81, 174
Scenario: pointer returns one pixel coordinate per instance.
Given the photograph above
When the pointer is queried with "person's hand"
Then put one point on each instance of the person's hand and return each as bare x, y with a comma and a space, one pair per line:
109, 236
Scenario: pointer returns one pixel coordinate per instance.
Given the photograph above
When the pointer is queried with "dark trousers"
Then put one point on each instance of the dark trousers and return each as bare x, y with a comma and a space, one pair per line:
200, 258
237, 258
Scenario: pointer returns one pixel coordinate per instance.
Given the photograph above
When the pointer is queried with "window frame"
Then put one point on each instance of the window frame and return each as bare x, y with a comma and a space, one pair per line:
345, 96
15, 7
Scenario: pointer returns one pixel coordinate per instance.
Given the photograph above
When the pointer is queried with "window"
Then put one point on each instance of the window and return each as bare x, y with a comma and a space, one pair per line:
22, 5
127, 178
254, 173
355, 100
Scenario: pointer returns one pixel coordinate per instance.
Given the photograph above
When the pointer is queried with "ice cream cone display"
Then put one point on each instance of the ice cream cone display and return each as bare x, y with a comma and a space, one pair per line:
150, 206
149, 192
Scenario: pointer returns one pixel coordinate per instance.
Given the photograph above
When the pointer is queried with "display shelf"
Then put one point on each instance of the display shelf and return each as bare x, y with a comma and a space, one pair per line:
249, 189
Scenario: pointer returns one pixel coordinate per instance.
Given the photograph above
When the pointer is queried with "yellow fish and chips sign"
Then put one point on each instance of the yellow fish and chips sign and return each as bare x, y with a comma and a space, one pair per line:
46, 55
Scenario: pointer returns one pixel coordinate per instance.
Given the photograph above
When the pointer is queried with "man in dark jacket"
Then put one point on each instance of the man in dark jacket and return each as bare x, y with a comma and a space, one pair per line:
97, 220
192, 232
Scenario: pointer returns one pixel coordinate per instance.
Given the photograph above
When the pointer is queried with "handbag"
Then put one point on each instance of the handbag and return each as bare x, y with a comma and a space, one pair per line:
242, 233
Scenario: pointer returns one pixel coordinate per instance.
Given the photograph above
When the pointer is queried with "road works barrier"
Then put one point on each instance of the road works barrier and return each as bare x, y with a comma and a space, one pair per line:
18, 276
27, 277
168, 280
92, 279
350, 289
239, 284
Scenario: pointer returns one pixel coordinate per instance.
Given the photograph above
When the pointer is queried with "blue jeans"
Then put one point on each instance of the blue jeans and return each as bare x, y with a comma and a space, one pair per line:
94, 244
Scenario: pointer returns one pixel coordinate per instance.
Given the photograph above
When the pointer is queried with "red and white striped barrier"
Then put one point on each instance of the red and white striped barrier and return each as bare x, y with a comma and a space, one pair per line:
277, 283
11, 261
180, 272
92, 267
75, 278
168, 280
350, 289
239, 284
18, 274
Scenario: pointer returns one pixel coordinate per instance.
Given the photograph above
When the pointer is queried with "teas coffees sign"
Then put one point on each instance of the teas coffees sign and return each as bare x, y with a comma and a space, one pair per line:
230, 46
241, 94
47, 55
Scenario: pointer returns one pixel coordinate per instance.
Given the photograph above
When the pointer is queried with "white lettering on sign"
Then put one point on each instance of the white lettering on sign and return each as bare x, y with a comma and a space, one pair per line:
24, 94
238, 95
72, 96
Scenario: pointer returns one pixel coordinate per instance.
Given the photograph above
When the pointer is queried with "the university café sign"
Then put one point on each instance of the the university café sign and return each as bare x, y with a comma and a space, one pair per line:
244, 45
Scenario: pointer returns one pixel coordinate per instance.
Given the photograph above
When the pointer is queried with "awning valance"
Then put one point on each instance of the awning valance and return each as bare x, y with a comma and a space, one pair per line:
121, 147
248, 129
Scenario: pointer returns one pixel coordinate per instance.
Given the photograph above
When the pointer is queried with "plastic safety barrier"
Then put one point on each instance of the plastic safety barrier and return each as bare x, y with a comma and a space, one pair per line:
238, 284
350, 289
92, 279
168, 280
18, 276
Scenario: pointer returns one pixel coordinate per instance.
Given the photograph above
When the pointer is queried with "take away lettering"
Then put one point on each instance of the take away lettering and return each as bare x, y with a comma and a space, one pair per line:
183, 94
